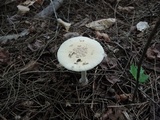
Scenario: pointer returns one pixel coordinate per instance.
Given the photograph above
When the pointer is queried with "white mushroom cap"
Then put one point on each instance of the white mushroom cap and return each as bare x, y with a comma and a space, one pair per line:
23, 9
80, 53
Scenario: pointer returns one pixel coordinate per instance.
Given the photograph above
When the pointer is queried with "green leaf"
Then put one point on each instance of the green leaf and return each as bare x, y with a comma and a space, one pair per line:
143, 77
141, 71
133, 70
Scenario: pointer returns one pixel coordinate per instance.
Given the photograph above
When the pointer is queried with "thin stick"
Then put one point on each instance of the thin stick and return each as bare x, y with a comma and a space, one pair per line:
93, 88
154, 31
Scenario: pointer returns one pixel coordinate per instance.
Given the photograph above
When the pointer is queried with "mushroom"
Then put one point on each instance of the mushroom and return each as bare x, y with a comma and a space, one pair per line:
65, 24
80, 54
22, 9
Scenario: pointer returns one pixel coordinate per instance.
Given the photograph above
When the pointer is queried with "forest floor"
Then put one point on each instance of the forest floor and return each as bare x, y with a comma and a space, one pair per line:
34, 86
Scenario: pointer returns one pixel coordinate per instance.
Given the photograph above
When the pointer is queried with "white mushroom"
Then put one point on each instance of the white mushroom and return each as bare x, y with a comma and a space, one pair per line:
80, 54
65, 24
142, 26
22, 9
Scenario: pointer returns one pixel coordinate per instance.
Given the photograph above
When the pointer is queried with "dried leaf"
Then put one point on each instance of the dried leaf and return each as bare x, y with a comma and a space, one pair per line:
157, 50
32, 65
114, 113
154, 51
112, 48
105, 116
126, 9
44, 24
40, 1
103, 64
102, 36
123, 97
53, 49
101, 24
97, 115
112, 79
150, 54
70, 35
108, 63
4, 56
36, 45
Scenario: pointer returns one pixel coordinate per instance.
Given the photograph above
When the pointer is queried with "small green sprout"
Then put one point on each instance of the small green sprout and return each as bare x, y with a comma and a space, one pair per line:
142, 78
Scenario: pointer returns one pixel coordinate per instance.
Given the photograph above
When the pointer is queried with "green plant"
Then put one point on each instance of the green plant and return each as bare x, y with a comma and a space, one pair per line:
142, 78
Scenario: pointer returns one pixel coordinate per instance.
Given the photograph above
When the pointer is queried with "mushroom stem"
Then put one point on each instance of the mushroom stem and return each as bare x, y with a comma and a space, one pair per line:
83, 80
65, 24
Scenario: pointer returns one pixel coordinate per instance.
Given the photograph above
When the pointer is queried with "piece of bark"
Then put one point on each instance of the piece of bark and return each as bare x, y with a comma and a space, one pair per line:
50, 9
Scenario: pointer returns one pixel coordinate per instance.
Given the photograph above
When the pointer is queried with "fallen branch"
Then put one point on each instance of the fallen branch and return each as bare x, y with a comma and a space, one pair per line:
4, 39
50, 9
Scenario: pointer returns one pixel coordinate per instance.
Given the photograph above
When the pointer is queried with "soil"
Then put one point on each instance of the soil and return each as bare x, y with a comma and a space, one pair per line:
34, 86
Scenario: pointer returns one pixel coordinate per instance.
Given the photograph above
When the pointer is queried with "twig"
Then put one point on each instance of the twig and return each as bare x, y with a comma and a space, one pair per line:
150, 12
154, 31
50, 9
93, 88
6, 2
4, 39
3, 118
